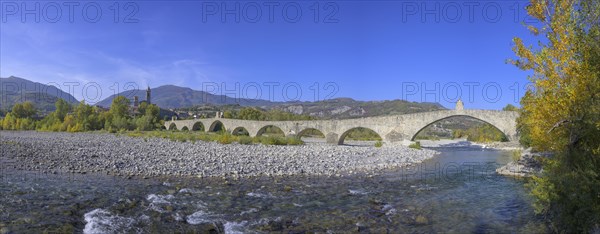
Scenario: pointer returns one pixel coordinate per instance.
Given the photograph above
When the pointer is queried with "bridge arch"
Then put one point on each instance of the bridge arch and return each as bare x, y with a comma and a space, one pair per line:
262, 130
240, 131
216, 126
349, 131
172, 126
429, 123
198, 126
185, 128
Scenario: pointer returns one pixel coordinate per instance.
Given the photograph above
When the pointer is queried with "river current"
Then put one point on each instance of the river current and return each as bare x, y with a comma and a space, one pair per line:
457, 191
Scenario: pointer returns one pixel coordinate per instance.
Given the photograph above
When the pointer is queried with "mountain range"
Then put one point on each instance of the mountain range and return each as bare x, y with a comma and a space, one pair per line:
14, 90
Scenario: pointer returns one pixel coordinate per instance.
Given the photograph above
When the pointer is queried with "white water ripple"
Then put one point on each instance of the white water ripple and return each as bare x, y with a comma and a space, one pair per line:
102, 221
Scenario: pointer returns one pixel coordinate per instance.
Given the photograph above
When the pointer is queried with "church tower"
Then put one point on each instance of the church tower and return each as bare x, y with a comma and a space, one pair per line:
148, 95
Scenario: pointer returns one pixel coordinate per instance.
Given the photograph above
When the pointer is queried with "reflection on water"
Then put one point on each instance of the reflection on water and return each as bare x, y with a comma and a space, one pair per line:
457, 191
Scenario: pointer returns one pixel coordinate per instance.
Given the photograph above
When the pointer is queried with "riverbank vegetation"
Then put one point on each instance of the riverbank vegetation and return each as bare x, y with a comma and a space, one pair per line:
251, 113
415, 145
84, 117
142, 121
220, 137
481, 133
561, 112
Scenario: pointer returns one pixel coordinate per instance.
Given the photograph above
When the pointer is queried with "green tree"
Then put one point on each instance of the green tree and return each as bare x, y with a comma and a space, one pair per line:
228, 114
24, 110
87, 117
153, 111
251, 114
62, 108
53, 121
561, 113
118, 117
119, 107
510, 107
142, 108
149, 118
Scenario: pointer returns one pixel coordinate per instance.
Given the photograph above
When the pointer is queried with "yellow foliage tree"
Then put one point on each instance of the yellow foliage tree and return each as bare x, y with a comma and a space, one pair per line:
561, 113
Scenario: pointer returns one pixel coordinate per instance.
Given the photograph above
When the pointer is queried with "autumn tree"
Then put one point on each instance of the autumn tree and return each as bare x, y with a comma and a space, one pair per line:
54, 121
561, 113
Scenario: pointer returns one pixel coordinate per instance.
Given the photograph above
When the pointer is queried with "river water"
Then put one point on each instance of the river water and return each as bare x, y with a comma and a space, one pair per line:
456, 191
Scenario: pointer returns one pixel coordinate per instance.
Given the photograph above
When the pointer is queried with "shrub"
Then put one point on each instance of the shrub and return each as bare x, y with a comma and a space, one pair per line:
257, 139
225, 138
244, 140
416, 145
378, 144
515, 155
276, 140
294, 141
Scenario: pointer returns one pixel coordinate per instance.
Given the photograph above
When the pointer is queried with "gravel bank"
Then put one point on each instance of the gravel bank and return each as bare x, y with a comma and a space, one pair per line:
528, 165
128, 156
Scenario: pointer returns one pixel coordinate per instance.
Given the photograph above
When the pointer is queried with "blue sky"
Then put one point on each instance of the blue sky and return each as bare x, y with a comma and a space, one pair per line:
366, 50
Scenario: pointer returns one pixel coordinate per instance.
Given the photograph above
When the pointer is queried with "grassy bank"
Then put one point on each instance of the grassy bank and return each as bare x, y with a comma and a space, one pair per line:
223, 137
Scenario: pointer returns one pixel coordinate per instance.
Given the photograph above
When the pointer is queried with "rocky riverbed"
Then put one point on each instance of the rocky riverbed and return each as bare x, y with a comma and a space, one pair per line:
127, 156
529, 164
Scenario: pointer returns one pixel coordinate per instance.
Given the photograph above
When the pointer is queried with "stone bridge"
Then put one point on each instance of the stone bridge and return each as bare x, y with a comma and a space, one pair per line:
393, 128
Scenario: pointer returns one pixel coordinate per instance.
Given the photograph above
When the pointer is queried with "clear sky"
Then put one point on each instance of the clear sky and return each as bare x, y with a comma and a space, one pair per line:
366, 50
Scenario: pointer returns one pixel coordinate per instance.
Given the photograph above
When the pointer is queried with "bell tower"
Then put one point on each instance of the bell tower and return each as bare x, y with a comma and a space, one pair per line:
148, 95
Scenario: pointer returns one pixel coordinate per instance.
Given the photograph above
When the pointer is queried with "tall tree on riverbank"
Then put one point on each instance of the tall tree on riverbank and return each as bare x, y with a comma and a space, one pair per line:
562, 112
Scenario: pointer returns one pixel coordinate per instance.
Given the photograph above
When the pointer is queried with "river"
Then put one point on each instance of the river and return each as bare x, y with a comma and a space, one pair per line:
456, 191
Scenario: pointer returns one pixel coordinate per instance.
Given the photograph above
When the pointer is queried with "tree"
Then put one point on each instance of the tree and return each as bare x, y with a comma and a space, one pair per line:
251, 114
228, 114
54, 121
24, 110
87, 118
119, 107
149, 117
62, 108
152, 111
510, 107
9, 122
561, 114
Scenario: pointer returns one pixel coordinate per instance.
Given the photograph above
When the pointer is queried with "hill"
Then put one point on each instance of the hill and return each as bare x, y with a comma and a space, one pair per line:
16, 90
171, 97
344, 108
